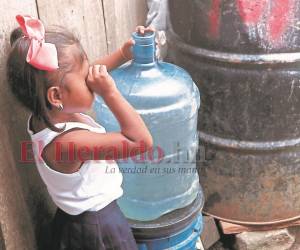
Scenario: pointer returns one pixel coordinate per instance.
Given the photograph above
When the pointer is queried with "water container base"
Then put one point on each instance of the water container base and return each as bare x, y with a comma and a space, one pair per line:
169, 223
182, 240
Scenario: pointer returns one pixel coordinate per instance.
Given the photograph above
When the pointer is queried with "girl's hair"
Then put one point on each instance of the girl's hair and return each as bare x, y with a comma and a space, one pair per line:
29, 84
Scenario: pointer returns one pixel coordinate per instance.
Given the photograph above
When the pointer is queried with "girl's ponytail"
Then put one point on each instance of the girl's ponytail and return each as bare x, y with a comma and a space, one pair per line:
15, 35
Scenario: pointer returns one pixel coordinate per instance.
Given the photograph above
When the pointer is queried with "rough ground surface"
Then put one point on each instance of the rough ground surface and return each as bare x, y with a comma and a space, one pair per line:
284, 239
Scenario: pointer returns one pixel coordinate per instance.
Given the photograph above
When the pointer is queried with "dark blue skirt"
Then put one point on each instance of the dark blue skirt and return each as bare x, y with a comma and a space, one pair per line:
106, 229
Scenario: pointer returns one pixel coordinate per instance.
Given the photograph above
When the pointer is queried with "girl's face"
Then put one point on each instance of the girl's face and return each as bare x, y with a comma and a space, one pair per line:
75, 95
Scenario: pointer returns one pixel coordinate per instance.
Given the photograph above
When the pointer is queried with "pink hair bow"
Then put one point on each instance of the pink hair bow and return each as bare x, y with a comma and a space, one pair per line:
41, 55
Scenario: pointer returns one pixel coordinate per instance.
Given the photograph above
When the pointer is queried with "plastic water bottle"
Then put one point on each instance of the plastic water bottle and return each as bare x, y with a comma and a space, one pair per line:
165, 178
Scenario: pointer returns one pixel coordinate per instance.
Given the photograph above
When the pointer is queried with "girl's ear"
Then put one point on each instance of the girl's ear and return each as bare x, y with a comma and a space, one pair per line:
54, 96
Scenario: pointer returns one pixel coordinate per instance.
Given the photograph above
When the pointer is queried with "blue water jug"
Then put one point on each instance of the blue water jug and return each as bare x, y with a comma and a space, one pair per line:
165, 178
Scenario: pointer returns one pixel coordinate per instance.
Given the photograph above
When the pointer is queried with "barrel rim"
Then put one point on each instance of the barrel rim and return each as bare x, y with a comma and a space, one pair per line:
248, 145
249, 223
234, 58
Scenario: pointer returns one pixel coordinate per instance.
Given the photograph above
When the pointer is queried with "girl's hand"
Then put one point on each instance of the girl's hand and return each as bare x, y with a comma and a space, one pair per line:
142, 29
126, 48
100, 81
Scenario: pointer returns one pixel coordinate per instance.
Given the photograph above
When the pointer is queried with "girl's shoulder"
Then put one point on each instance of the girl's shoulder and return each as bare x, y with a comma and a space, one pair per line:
69, 136
37, 126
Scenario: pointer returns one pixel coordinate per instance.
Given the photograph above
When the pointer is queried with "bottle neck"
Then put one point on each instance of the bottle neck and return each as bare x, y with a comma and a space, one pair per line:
144, 48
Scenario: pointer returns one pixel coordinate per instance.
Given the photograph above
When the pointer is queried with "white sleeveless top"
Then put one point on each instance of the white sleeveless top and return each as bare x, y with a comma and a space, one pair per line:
96, 184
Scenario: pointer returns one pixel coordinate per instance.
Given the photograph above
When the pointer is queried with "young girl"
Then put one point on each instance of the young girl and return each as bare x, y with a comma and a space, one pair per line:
50, 74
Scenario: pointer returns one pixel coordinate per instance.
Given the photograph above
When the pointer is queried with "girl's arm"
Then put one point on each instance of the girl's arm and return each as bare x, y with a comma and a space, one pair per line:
121, 55
117, 58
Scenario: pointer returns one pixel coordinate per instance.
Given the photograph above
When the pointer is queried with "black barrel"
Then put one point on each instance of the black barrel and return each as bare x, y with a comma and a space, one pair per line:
245, 58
